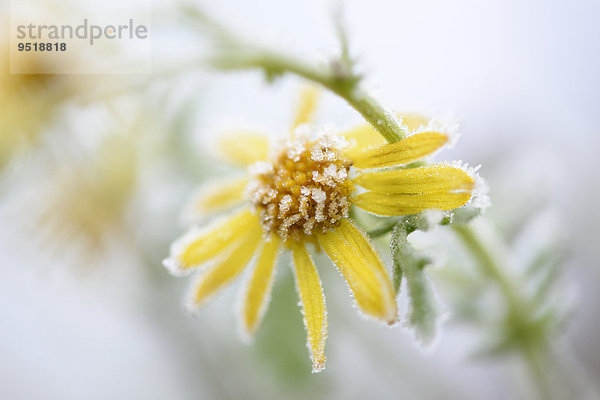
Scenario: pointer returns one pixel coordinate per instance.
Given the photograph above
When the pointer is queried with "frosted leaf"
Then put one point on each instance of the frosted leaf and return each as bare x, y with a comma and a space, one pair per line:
409, 263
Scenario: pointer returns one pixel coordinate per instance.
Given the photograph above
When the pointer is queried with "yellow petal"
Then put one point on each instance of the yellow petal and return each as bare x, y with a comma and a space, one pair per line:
431, 179
313, 304
216, 197
360, 139
357, 259
406, 204
259, 287
364, 136
243, 148
227, 269
410, 149
306, 106
200, 245
414, 121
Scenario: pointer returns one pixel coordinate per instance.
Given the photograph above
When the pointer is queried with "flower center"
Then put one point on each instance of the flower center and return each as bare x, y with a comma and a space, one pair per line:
303, 189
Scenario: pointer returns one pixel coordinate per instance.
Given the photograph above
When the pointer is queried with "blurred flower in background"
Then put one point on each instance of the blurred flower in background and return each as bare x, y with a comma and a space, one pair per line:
84, 197
28, 103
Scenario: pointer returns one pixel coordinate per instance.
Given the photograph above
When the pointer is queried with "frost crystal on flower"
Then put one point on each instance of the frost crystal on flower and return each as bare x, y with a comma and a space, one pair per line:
448, 126
301, 194
480, 192
303, 188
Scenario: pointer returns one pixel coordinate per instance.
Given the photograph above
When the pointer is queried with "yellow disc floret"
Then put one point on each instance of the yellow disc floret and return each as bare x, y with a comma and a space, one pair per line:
303, 189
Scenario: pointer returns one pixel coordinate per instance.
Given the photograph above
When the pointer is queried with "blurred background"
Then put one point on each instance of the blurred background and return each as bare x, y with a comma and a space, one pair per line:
95, 171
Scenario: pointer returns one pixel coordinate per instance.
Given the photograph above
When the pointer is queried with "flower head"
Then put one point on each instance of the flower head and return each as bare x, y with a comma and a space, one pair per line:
80, 205
303, 189
28, 101
300, 191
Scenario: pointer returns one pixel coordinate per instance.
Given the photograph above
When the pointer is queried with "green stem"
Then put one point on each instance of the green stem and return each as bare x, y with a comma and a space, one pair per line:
488, 263
537, 366
383, 228
235, 53
518, 308
335, 79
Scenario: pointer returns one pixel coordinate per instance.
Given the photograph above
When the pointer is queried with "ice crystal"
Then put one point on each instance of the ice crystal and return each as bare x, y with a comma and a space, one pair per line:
305, 186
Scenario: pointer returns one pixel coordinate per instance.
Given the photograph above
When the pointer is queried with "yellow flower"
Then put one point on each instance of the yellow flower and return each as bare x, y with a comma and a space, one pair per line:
299, 192
80, 206
27, 103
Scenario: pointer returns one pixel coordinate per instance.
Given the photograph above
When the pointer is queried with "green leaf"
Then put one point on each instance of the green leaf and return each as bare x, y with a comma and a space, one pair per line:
462, 215
408, 262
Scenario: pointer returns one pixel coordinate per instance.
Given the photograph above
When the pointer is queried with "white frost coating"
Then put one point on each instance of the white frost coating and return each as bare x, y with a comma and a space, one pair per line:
427, 344
381, 279
251, 190
322, 155
327, 146
319, 214
173, 263
446, 125
304, 202
309, 226
260, 168
245, 336
479, 198
189, 300
432, 217
328, 129
192, 213
318, 195
300, 134
259, 193
295, 149
284, 205
331, 176
316, 367
330, 137
270, 195
287, 222
304, 132
294, 197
